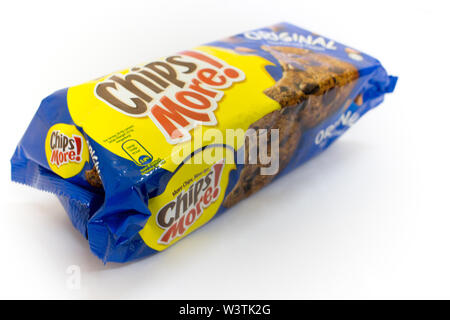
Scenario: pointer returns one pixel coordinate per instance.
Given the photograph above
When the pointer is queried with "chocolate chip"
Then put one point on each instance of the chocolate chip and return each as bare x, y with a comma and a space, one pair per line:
334, 80
309, 88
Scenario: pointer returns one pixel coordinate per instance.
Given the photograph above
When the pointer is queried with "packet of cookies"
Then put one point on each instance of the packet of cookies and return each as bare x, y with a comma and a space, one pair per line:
142, 157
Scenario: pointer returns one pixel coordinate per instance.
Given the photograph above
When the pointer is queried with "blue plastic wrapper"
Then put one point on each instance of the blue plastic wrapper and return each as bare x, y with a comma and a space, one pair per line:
141, 158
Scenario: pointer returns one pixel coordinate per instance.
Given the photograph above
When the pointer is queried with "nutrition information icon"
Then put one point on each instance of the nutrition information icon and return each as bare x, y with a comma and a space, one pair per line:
137, 153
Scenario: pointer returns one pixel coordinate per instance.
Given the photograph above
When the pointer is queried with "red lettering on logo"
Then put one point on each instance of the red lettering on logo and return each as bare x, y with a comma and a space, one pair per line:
181, 218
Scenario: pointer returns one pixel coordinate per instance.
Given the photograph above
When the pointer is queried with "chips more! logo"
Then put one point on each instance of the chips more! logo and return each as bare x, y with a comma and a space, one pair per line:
178, 93
192, 197
178, 215
65, 150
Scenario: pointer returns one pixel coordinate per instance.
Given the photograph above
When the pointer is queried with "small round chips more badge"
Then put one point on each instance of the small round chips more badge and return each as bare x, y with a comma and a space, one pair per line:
66, 150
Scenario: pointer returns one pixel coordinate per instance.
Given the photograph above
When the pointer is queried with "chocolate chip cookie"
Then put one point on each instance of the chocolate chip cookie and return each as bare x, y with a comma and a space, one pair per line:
287, 121
322, 81
313, 87
93, 178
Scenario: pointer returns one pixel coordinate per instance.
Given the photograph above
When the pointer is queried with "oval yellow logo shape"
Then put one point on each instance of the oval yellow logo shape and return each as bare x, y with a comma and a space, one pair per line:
66, 150
192, 197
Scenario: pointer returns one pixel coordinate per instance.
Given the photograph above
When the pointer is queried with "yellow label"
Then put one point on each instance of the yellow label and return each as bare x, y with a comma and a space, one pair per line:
191, 198
66, 150
239, 101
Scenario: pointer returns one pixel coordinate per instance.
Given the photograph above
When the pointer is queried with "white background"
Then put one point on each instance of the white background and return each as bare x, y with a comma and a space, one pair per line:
369, 218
